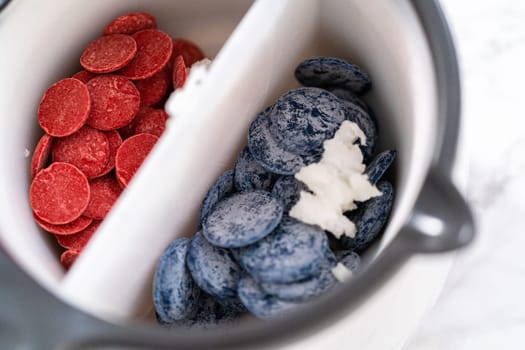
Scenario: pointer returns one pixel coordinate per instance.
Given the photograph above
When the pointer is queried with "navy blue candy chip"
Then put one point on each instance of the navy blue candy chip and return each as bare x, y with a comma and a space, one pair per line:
292, 252
269, 154
249, 175
221, 188
370, 219
175, 293
334, 72
349, 96
350, 259
302, 119
379, 165
213, 268
242, 219
357, 115
288, 190
304, 290
260, 303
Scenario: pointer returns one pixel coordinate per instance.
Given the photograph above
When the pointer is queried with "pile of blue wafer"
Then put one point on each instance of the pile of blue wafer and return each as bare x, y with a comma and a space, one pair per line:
249, 255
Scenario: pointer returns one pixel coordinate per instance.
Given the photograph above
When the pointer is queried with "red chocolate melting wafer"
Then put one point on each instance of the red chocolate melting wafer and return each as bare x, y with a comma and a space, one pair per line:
179, 72
87, 149
59, 194
153, 53
84, 76
115, 140
104, 193
68, 258
150, 121
79, 240
114, 102
66, 229
131, 23
131, 155
108, 53
153, 89
189, 51
41, 155
64, 108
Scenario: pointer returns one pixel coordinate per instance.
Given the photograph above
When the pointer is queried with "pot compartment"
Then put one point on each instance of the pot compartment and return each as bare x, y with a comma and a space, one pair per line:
112, 278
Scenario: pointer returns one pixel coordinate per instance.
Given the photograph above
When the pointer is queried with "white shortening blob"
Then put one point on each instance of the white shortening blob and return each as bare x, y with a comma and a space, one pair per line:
337, 182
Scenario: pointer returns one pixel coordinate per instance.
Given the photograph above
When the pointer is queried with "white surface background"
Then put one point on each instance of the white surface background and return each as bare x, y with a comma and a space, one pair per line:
482, 305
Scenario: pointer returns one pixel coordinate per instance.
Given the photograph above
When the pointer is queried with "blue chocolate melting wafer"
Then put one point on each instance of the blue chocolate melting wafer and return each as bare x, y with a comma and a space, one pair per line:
269, 154
292, 252
174, 292
250, 175
379, 165
242, 219
334, 72
370, 218
222, 187
288, 190
213, 268
302, 119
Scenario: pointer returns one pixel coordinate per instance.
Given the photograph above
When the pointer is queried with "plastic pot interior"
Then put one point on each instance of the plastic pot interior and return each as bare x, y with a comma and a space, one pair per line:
42, 41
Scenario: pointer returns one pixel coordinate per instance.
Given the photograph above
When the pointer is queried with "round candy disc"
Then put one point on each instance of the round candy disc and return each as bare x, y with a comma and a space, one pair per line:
154, 88
302, 119
213, 268
131, 154
71, 228
58, 184
222, 187
270, 154
41, 155
104, 193
108, 53
64, 108
292, 252
68, 257
115, 141
150, 121
249, 175
84, 76
288, 190
175, 294
242, 219
379, 165
180, 73
154, 49
332, 71
188, 50
114, 102
78, 240
131, 23
87, 149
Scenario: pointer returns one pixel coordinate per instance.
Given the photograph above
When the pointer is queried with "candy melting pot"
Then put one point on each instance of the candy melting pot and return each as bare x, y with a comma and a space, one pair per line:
255, 48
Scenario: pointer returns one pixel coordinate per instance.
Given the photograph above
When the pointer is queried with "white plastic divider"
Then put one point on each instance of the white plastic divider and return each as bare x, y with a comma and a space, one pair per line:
113, 276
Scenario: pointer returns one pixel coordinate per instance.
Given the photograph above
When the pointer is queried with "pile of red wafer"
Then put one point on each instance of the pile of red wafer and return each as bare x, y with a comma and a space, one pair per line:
100, 125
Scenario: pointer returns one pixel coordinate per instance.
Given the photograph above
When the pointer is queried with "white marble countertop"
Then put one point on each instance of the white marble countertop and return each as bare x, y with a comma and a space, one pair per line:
482, 305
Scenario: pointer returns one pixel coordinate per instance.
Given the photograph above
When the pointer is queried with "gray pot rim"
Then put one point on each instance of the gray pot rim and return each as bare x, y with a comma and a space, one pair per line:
58, 323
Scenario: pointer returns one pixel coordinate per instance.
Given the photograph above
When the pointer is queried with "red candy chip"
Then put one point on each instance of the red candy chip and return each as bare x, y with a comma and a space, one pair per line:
189, 51
109, 53
154, 51
79, 240
131, 23
68, 258
179, 73
59, 194
84, 76
65, 229
87, 149
131, 155
114, 143
64, 108
41, 155
114, 102
104, 193
150, 121
153, 89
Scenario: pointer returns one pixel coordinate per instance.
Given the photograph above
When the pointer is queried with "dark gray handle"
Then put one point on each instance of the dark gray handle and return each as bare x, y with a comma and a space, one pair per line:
441, 220
3, 3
